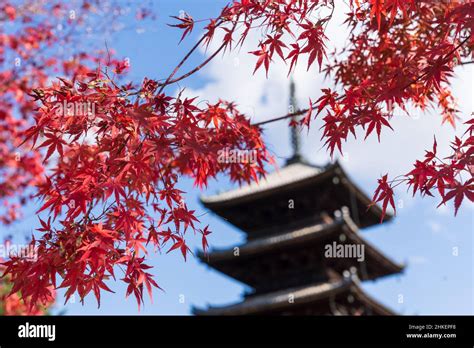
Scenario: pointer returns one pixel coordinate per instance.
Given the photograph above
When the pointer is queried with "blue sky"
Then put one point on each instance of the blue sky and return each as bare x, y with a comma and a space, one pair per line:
436, 281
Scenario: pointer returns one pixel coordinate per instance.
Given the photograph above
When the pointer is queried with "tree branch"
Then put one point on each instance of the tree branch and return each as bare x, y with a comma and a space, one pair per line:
168, 80
298, 113
199, 67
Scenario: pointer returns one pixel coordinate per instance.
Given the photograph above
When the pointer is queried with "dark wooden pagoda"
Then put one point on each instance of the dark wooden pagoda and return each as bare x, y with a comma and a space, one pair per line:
283, 259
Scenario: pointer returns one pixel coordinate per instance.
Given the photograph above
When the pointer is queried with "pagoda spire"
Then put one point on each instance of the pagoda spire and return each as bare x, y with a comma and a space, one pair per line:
295, 137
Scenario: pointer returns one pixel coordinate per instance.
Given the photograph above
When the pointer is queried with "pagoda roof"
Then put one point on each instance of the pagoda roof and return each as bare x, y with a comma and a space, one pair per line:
306, 295
261, 245
295, 241
292, 176
287, 175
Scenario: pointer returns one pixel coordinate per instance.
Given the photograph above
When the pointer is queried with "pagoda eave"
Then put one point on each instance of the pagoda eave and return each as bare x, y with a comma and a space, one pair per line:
305, 299
266, 256
235, 204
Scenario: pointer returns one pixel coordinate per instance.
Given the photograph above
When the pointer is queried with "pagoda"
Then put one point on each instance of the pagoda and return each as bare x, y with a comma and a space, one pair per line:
291, 219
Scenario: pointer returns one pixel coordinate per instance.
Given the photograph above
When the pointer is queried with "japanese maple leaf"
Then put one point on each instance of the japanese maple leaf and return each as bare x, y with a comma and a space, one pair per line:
326, 99
377, 10
458, 193
187, 23
152, 236
181, 244
227, 41
395, 5
114, 186
100, 230
384, 194
46, 226
53, 143
314, 35
275, 44
437, 72
377, 120
264, 57
422, 173
205, 232
210, 30
294, 54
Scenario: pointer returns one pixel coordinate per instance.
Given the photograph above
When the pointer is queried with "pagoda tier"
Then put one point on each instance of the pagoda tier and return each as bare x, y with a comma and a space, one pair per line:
342, 297
297, 257
294, 196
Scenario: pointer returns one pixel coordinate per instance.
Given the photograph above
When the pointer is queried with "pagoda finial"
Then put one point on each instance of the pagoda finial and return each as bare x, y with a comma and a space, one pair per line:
295, 137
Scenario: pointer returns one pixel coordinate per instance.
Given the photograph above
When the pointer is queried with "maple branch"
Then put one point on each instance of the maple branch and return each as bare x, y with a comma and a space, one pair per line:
181, 63
186, 57
199, 67
298, 113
